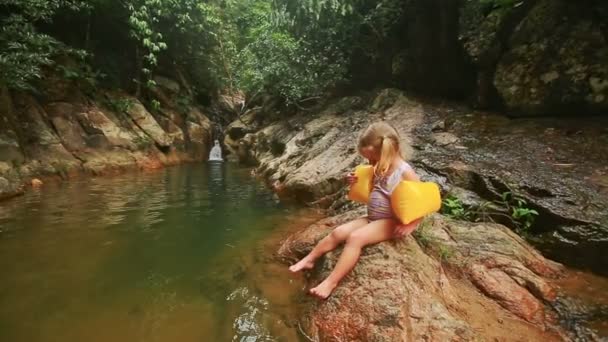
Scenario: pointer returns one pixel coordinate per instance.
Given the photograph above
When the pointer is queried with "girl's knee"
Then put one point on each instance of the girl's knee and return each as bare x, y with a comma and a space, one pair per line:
339, 234
356, 239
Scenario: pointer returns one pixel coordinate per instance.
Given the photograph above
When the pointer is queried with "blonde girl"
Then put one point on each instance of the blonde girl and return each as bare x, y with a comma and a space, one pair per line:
379, 143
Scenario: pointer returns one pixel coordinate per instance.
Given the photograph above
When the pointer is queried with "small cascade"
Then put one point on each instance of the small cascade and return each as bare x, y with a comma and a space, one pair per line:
216, 152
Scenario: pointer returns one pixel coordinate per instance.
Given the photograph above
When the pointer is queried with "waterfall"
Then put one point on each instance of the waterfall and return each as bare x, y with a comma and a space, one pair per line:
216, 152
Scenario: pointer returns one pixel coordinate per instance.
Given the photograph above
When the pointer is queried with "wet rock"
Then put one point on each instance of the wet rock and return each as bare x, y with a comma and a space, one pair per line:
9, 189
574, 314
199, 129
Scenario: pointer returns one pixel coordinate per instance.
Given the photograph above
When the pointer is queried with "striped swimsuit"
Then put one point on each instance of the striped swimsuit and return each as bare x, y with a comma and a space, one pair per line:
379, 205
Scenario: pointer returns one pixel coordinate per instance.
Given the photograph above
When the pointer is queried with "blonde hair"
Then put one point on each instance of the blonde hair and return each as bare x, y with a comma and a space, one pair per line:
383, 138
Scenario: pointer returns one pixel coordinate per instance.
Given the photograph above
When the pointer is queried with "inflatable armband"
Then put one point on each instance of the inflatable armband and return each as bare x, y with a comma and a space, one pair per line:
360, 191
413, 200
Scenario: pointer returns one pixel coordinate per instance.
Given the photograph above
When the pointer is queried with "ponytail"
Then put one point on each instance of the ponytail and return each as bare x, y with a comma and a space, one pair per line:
388, 152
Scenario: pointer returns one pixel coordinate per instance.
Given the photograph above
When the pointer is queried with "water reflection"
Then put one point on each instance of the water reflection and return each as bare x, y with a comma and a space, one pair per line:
217, 185
175, 255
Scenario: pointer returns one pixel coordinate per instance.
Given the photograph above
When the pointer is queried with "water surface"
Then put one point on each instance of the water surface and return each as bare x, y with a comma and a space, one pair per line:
182, 254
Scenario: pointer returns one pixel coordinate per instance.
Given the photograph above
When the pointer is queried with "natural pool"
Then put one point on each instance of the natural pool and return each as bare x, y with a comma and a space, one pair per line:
182, 254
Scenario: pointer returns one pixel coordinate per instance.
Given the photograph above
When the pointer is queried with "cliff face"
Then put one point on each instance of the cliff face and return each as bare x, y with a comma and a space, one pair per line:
64, 133
531, 57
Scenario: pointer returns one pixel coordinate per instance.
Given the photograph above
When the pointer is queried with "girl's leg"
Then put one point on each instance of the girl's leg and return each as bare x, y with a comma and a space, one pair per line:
376, 231
328, 243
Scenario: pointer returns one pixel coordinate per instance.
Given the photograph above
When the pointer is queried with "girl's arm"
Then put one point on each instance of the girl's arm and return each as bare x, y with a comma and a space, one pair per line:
410, 175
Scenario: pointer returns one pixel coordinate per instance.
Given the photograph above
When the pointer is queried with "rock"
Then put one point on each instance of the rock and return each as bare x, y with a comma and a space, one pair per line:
399, 290
537, 57
10, 150
36, 183
231, 103
40, 143
98, 123
200, 132
146, 122
71, 133
444, 139
63, 117
344, 105
494, 164
486, 161
575, 75
314, 159
167, 84
172, 123
438, 126
9, 189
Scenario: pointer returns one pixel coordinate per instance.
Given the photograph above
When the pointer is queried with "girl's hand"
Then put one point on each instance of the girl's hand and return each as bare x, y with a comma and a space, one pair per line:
402, 230
351, 178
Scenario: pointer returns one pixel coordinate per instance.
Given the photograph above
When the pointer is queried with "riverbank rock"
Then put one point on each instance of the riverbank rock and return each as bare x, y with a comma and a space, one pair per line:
476, 155
62, 135
478, 278
429, 287
9, 189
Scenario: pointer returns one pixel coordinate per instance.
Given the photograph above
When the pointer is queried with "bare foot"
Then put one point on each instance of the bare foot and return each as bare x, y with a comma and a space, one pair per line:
324, 289
303, 264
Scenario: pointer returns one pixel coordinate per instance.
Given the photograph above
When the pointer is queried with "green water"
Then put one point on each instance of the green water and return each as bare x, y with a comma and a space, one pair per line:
183, 254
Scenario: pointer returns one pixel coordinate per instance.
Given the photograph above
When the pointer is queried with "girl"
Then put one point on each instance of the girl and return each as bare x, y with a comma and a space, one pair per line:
379, 143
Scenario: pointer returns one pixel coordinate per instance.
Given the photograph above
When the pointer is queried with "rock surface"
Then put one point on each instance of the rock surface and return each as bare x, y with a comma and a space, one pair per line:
427, 287
67, 134
489, 273
557, 173
539, 57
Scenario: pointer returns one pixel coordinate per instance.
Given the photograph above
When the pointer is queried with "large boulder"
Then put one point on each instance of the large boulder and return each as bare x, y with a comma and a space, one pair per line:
427, 288
310, 155
538, 57
557, 61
